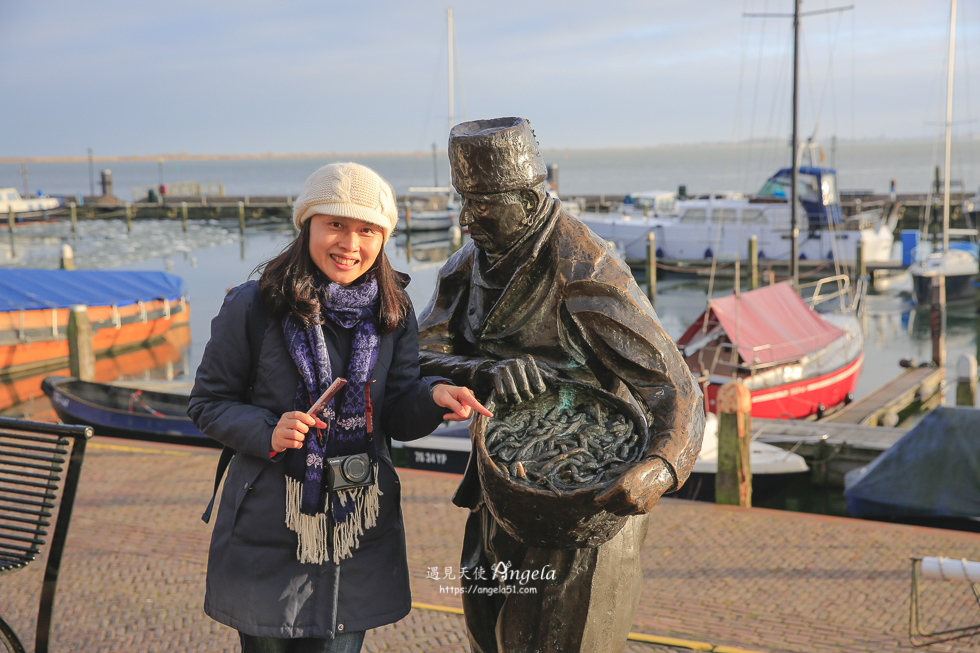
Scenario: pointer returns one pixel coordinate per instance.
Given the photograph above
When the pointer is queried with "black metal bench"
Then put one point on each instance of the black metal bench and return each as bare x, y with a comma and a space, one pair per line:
38, 461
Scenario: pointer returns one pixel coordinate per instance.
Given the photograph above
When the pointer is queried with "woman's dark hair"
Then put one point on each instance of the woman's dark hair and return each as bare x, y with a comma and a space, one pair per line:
288, 284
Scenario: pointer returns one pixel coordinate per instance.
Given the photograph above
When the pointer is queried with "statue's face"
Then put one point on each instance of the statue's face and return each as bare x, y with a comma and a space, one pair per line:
495, 220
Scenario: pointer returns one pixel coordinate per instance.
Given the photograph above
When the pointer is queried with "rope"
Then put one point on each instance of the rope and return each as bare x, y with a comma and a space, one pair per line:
137, 399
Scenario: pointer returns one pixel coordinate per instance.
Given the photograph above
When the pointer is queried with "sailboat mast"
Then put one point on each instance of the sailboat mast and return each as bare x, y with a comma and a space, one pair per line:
794, 175
450, 15
949, 121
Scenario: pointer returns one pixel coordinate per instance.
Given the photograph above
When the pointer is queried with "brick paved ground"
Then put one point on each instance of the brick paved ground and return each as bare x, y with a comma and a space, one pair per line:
133, 573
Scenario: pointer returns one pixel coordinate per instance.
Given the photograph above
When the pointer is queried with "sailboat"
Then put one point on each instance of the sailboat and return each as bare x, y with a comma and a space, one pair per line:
433, 208
953, 263
795, 361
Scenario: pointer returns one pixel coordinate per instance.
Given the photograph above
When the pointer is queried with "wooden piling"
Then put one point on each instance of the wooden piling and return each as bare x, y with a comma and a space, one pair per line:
129, 218
733, 479
10, 219
966, 380
73, 209
183, 215
455, 238
67, 257
860, 266
937, 320
81, 352
754, 262
408, 218
652, 267
241, 217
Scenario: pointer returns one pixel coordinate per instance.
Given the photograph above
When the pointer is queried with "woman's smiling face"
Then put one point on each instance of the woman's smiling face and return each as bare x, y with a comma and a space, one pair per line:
344, 248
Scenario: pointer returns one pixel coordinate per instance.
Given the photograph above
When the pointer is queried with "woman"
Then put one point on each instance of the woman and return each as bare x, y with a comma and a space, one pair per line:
302, 557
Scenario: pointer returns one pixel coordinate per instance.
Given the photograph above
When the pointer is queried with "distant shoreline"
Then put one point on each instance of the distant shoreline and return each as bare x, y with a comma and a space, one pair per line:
183, 156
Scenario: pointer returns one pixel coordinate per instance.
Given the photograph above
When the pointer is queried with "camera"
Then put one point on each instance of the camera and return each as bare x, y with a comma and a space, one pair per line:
350, 471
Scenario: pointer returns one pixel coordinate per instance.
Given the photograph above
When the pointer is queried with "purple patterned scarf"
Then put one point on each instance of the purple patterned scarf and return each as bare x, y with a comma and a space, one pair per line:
342, 521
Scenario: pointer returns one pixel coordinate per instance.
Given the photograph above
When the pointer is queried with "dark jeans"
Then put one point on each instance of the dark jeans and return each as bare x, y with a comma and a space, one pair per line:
342, 643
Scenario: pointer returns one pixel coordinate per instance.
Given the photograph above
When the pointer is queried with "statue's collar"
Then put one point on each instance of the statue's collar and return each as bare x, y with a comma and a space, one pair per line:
497, 272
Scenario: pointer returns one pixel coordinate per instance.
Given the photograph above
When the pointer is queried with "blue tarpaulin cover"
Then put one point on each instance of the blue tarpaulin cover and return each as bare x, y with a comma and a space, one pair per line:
33, 289
932, 471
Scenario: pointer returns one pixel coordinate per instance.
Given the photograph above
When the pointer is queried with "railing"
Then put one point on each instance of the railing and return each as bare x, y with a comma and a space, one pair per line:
183, 189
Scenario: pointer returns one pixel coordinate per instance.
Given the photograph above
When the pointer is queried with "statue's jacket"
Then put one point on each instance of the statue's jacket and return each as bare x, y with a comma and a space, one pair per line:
573, 305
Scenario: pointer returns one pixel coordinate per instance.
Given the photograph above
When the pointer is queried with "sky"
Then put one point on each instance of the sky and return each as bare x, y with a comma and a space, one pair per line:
322, 76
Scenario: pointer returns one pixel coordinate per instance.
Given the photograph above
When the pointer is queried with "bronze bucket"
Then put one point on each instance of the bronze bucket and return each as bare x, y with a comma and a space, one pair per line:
537, 516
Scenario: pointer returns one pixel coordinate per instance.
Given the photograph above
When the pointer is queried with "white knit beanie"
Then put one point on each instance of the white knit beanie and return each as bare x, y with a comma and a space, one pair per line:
348, 190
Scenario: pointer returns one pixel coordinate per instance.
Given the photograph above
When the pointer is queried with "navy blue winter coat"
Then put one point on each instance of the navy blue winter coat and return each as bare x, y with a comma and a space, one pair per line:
254, 582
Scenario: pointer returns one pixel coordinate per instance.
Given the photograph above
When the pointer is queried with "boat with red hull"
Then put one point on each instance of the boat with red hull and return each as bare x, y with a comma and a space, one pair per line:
802, 398
795, 362
127, 309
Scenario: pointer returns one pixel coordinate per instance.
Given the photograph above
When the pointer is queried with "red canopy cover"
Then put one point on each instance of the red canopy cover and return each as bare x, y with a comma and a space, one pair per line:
769, 324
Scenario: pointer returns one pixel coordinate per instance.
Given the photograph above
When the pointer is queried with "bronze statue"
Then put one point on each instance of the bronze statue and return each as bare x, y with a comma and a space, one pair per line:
534, 304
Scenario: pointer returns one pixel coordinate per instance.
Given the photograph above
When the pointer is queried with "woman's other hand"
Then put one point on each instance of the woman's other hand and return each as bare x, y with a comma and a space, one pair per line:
458, 399
291, 430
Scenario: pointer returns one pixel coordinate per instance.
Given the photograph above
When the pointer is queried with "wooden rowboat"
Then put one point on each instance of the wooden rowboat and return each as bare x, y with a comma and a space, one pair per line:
124, 412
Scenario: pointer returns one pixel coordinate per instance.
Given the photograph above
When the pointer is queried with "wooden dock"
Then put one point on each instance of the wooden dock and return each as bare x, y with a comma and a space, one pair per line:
916, 389
858, 433
779, 269
831, 449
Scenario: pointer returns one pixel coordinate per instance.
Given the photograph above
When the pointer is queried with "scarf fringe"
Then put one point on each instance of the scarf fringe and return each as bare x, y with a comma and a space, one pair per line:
313, 531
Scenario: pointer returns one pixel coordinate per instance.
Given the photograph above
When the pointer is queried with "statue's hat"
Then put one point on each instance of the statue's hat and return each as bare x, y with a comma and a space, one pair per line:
493, 156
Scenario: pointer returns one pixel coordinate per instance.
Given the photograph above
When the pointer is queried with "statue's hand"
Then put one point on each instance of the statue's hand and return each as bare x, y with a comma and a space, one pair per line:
518, 379
637, 491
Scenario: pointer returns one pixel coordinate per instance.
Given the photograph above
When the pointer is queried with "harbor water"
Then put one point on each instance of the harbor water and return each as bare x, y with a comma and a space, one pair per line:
212, 257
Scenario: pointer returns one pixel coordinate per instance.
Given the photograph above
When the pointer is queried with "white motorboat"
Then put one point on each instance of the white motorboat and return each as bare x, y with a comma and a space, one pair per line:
428, 209
720, 226
773, 468
26, 207
958, 263
649, 204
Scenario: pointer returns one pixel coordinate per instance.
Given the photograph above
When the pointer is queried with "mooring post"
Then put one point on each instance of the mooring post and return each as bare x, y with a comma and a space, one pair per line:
966, 380
455, 238
408, 218
73, 208
733, 480
10, 223
937, 320
129, 218
241, 217
754, 262
652, 267
860, 265
67, 257
81, 352
183, 214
